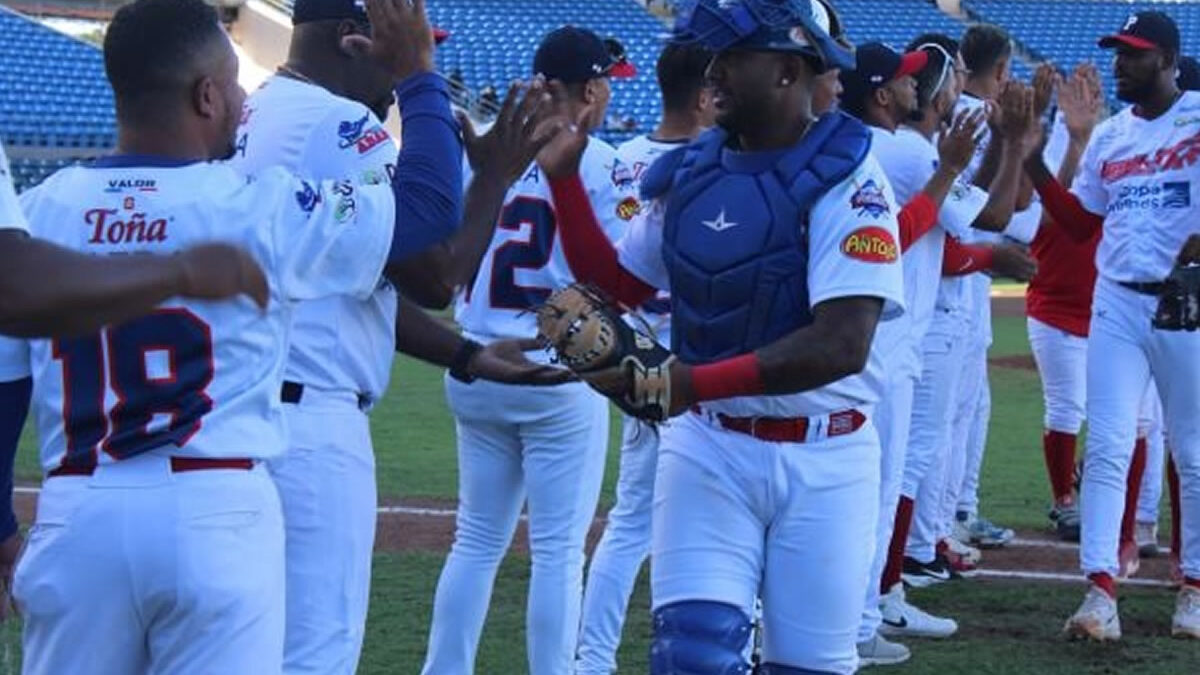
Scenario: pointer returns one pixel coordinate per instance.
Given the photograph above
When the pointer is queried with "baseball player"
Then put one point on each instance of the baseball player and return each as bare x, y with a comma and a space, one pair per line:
90, 291
1134, 184
882, 90
544, 448
314, 118
772, 466
687, 110
154, 431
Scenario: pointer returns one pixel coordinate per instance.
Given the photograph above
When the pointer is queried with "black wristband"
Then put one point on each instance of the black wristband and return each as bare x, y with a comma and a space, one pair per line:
462, 359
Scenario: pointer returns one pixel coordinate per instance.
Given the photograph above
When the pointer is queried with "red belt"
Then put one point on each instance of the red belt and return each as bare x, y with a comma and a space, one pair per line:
790, 429
178, 465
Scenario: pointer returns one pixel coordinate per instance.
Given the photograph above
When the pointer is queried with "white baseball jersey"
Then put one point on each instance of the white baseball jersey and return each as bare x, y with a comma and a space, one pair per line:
525, 261
1139, 175
338, 343
203, 377
910, 160
11, 217
638, 154
837, 268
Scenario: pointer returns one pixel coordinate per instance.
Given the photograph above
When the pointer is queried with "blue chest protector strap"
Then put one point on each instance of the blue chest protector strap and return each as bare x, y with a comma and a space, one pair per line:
735, 234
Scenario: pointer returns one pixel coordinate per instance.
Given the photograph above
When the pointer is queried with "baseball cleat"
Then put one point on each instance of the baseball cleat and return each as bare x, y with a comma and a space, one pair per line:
923, 575
1146, 535
1186, 622
961, 559
879, 651
982, 532
1096, 619
900, 619
1066, 521
1128, 560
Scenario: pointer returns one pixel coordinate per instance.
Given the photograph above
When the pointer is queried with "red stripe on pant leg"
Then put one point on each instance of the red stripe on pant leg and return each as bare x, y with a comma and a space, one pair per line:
1173, 492
1105, 582
895, 559
1058, 448
1133, 488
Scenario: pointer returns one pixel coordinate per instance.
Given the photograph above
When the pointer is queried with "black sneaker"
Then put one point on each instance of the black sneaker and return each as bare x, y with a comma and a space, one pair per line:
917, 574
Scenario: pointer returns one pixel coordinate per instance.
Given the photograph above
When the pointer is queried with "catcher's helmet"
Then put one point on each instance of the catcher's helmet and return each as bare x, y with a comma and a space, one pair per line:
808, 27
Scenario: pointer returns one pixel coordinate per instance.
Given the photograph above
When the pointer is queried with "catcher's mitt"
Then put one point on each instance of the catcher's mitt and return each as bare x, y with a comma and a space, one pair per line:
588, 335
1179, 302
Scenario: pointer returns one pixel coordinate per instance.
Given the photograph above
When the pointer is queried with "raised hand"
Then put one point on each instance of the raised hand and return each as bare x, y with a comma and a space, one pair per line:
504, 361
1081, 102
959, 142
220, 271
1044, 80
1018, 119
560, 157
522, 128
401, 39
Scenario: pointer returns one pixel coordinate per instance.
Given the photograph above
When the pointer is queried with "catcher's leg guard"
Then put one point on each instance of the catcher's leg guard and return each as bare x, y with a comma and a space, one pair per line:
699, 638
777, 669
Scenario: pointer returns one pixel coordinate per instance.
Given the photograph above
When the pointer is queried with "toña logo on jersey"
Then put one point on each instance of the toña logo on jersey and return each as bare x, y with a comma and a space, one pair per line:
358, 135
1179, 156
107, 226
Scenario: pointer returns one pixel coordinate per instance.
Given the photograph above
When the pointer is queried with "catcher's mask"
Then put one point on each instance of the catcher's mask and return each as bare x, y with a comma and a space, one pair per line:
808, 27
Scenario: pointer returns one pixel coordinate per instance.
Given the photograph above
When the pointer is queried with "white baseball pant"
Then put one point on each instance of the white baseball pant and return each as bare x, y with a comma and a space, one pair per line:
1125, 352
1150, 427
943, 351
736, 517
137, 569
1061, 360
326, 483
893, 414
542, 447
968, 438
622, 550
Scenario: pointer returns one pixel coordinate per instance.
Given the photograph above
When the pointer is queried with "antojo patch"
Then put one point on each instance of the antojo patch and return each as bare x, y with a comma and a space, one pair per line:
628, 208
871, 244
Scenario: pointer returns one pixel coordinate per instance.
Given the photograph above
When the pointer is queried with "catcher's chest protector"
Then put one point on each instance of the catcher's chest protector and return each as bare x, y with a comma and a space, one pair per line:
735, 238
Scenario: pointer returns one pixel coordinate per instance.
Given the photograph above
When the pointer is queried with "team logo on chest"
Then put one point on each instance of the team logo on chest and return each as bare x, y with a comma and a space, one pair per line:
719, 224
869, 200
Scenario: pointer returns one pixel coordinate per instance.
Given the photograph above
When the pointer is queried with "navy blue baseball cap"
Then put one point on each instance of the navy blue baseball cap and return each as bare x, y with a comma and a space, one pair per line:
1145, 30
809, 27
572, 54
1188, 78
879, 64
307, 11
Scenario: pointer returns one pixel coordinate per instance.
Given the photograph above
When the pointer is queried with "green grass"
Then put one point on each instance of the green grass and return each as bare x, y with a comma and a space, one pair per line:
1008, 628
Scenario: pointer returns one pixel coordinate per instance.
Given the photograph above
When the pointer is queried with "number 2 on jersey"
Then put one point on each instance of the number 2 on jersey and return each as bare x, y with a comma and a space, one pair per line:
123, 352
513, 255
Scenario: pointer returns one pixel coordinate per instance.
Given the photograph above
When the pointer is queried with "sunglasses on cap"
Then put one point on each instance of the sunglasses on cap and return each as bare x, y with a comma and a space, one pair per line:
948, 64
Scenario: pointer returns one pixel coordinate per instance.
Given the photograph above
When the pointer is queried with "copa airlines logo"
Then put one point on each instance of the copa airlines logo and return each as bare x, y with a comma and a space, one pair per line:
1179, 156
1150, 196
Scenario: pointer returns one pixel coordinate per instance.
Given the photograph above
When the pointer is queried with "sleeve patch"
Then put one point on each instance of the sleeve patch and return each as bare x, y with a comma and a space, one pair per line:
628, 208
869, 200
871, 244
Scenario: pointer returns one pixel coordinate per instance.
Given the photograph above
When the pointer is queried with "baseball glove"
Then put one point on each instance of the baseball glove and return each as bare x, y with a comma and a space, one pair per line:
586, 331
1179, 302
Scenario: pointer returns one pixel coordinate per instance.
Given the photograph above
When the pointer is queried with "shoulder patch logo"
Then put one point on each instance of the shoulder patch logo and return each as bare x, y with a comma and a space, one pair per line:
871, 244
870, 200
308, 198
628, 208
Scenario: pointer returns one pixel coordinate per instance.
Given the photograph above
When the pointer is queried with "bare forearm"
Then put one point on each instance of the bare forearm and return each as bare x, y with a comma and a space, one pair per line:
425, 337
1070, 163
990, 164
1002, 192
46, 290
821, 353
